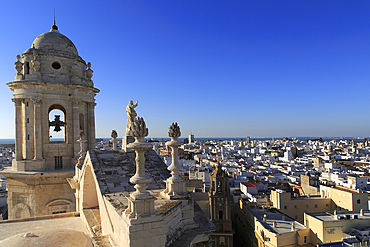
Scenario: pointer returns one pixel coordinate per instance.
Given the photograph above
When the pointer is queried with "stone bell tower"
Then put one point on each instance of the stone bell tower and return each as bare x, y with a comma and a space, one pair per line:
54, 99
220, 208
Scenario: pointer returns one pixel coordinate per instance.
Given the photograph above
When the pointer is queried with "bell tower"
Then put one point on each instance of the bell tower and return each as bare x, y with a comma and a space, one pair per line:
54, 99
219, 201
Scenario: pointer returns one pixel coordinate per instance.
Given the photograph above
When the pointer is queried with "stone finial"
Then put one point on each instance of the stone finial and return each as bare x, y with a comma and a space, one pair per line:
18, 65
82, 152
174, 131
114, 139
293, 226
81, 135
114, 134
89, 71
138, 128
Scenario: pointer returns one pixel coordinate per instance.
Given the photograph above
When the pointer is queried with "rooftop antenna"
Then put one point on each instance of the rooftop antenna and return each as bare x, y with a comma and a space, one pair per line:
54, 26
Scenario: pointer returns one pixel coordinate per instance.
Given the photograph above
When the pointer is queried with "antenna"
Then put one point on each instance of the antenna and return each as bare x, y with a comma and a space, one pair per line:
54, 27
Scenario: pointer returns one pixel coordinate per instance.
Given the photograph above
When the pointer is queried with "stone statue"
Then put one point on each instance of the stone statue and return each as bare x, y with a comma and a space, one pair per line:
35, 62
89, 71
18, 65
131, 114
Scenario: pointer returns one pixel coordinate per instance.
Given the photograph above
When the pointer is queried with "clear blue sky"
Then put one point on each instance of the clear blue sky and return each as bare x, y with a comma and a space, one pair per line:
219, 68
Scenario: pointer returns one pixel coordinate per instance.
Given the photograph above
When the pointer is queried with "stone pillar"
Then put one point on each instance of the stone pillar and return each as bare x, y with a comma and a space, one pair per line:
91, 126
24, 116
76, 125
18, 128
37, 129
141, 202
175, 186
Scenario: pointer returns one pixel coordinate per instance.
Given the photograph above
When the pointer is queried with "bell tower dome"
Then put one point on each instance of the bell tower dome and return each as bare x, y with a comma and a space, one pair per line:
54, 99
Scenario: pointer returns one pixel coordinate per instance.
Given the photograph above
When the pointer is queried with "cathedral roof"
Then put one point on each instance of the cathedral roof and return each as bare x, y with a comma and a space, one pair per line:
54, 42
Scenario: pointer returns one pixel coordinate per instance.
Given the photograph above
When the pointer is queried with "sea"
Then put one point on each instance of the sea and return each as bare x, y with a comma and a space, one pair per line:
357, 139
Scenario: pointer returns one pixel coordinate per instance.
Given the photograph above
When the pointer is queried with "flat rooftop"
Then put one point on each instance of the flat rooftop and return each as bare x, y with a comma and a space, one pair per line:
11, 228
113, 170
283, 222
329, 216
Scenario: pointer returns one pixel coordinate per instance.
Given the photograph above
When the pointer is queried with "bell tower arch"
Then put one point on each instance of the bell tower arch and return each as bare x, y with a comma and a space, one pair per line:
54, 99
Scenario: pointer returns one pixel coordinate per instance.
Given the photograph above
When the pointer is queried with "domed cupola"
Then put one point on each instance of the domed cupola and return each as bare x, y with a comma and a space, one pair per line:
53, 58
55, 43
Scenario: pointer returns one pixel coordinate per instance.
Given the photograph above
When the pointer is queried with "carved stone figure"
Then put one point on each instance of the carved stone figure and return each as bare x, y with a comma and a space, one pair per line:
89, 71
131, 114
35, 62
18, 65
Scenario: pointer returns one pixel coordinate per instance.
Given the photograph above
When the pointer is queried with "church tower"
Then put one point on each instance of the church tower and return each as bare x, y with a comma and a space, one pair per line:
219, 200
54, 99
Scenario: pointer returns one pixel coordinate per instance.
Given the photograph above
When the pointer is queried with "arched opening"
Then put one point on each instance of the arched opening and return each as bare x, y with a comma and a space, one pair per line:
57, 123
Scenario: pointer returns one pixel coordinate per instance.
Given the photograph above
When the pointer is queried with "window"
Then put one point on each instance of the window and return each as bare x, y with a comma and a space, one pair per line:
28, 120
285, 207
315, 205
81, 116
59, 212
307, 206
58, 162
305, 239
358, 201
56, 65
26, 104
26, 68
327, 205
295, 206
220, 215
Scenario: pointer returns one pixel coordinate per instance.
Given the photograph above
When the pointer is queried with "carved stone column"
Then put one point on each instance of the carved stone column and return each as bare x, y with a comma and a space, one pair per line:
141, 202
37, 128
76, 124
175, 185
91, 126
18, 128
